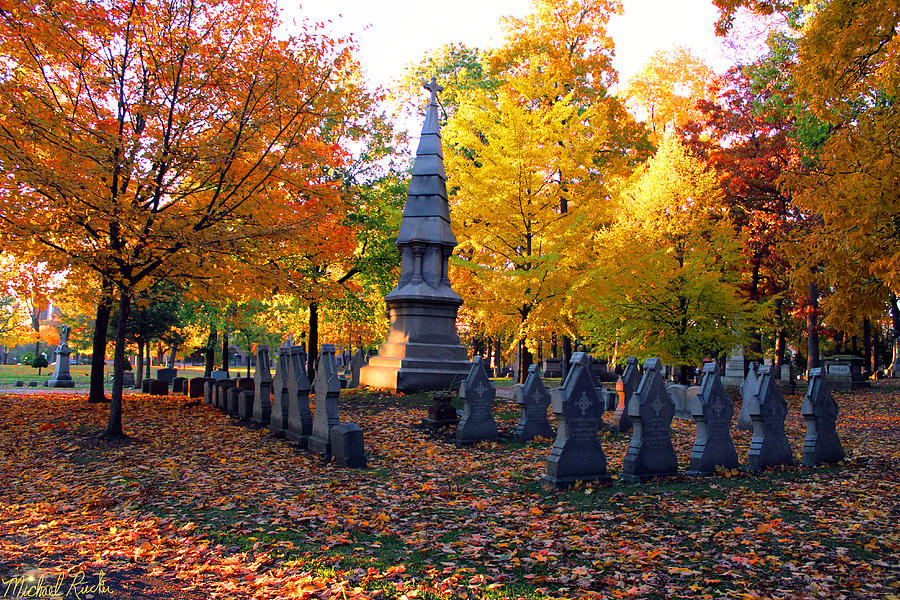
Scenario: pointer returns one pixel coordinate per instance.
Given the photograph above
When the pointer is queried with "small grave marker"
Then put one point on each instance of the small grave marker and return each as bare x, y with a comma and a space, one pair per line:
712, 410
534, 399
822, 445
769, 446
478, 393
327, 388
650, 453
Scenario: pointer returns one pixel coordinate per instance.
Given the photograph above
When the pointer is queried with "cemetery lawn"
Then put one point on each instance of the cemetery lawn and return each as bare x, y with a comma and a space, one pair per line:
215, 510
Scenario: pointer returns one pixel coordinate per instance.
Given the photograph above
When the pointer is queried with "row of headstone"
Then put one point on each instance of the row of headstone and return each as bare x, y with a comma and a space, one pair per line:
577, 456
281, 403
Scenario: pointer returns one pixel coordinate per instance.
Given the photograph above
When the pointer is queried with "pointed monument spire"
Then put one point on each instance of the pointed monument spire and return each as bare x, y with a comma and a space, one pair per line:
426, 216
422, 350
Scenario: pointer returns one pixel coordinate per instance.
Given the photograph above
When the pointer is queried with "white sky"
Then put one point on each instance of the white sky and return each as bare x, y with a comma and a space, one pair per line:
394, 33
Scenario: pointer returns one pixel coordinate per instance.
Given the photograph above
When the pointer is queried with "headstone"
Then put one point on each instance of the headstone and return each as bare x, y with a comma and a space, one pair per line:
179, 385
357, 363
822, 445
209, 390
478, 393
300, 419
20, 383
422, 351
242, 384
786, 383
534, 400
195, 386
712, 410
281, 396
576, 454
219, 375
220, 400
650, 453
734, 368
245, 405
62, 378
625, 387
32, 384
327, 389
551, 367
769, 446
145, 385
262, 396
601, 373
678, 395
158, 387
167, 375
749, 387
347, 446
128, 379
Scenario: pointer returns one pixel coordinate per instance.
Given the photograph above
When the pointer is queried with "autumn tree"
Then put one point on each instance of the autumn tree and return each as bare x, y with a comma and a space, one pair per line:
667, 90
140, 140
664, 282
532, 163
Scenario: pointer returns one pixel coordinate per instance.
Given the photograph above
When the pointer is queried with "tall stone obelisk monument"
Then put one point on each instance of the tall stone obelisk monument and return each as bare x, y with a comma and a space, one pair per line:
422, 350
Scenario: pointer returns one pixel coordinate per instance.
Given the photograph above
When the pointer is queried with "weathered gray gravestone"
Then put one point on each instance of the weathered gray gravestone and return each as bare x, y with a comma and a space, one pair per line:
300, 419
218, 375
128, 379
678, 394
749, 387
62, 377
221, 393
281, 396
769, 446
167, 375
576, 454
242, 384
822, 445
262, 394
712, 410
356, 363
650, 453
347, 446
478, 393
195, 387
158, 388
626, 386
327, 388
179, 385
551, 367
534, 399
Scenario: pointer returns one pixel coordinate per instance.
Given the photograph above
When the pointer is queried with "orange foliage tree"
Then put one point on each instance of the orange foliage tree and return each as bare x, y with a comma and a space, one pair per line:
139, 138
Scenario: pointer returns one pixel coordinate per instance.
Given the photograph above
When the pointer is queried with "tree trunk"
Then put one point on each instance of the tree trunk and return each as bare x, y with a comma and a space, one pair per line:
566, 355
525, 360
498, 357
210, 352
225, 357
755, 346
114, 425
812, 328
139, 376
98, 354
149, 361
312, 354
895, 322
490, 354
867, 345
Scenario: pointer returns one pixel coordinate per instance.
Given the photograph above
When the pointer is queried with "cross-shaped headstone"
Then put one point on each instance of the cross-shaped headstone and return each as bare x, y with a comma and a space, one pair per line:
433, 87
477, 391
650, 453
712, 410
534, 399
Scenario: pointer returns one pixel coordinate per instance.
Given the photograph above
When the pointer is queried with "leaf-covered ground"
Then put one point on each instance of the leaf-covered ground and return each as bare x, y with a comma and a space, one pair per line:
195, 506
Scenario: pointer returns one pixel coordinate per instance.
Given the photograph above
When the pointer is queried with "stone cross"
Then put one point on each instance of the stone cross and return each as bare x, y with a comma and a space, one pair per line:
820, 411
650, 453
534, 399
281, 401
769, 446
576, 454
327, 387
262, 393
299, 416
628, 382
433, 87
748, 389
478, 393
712, 410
